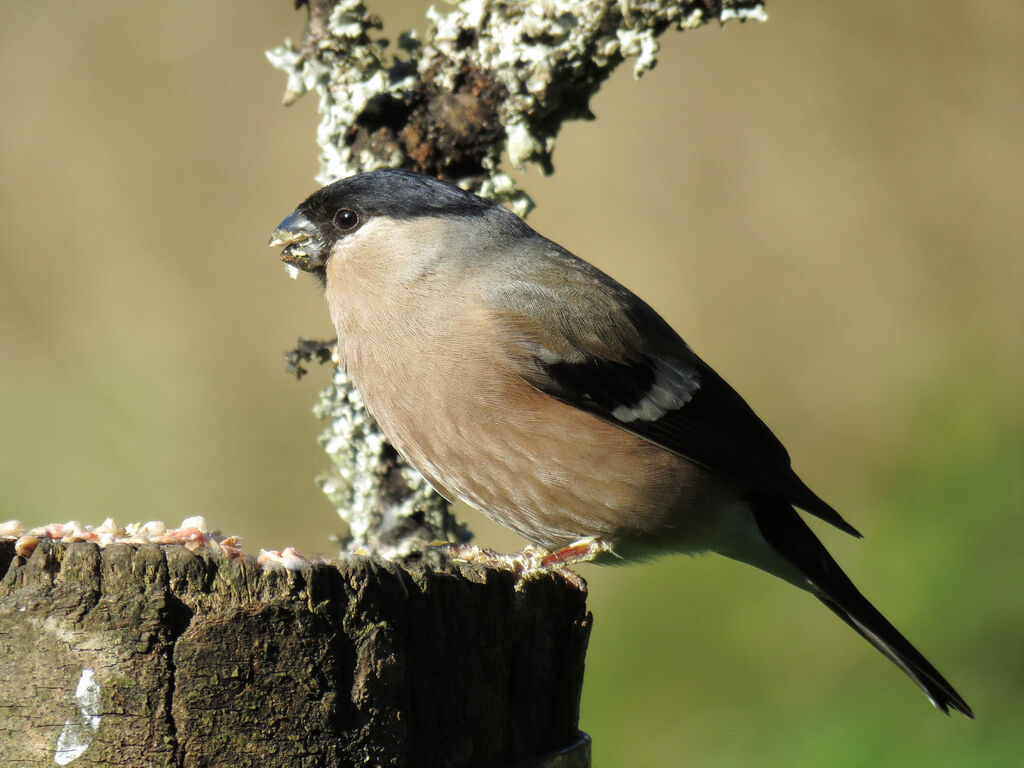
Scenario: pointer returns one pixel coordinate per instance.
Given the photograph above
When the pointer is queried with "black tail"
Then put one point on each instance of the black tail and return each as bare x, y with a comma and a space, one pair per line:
785, 530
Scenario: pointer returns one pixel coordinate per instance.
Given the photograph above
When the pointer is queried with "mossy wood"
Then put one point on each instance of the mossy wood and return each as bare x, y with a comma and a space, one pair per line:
156, 656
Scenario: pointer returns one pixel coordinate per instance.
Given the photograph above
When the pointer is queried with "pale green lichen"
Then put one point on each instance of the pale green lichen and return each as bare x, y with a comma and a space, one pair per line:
538, 50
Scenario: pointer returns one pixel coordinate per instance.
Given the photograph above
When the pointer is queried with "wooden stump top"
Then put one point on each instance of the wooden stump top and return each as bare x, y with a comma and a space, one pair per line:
147, 655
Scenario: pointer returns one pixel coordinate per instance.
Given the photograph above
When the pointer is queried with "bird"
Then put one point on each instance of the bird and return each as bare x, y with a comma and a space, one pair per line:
523, 380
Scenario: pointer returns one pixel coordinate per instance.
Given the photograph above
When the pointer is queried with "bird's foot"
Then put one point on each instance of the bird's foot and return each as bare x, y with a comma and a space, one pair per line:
580, 551
533, 562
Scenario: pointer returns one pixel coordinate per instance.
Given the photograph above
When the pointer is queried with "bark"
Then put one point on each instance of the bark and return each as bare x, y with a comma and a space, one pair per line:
146, 655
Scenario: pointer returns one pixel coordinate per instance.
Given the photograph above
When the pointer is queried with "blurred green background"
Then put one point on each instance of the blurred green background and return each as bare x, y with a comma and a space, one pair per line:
828, 207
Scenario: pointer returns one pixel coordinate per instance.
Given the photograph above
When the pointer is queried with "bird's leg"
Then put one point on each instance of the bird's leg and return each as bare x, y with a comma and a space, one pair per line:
580, 551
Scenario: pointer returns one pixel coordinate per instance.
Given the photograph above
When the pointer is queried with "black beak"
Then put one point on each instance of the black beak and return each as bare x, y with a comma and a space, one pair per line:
304, 248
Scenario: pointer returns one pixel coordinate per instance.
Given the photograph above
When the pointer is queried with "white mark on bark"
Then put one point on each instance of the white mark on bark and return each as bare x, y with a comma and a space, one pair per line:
78, 734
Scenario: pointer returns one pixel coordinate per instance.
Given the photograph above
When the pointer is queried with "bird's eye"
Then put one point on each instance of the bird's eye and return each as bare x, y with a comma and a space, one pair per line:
346, 219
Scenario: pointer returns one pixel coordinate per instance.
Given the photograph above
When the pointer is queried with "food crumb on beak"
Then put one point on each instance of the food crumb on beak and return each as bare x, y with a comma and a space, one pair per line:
292, 270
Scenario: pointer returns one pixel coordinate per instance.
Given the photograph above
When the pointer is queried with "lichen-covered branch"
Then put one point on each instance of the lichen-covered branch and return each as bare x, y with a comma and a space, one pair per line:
489, 78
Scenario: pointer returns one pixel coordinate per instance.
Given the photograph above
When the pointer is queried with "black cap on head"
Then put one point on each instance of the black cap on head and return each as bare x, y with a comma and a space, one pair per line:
309, 233
396, 194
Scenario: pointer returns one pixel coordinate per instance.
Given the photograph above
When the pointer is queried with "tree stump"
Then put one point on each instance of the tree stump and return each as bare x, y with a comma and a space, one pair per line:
147, 655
